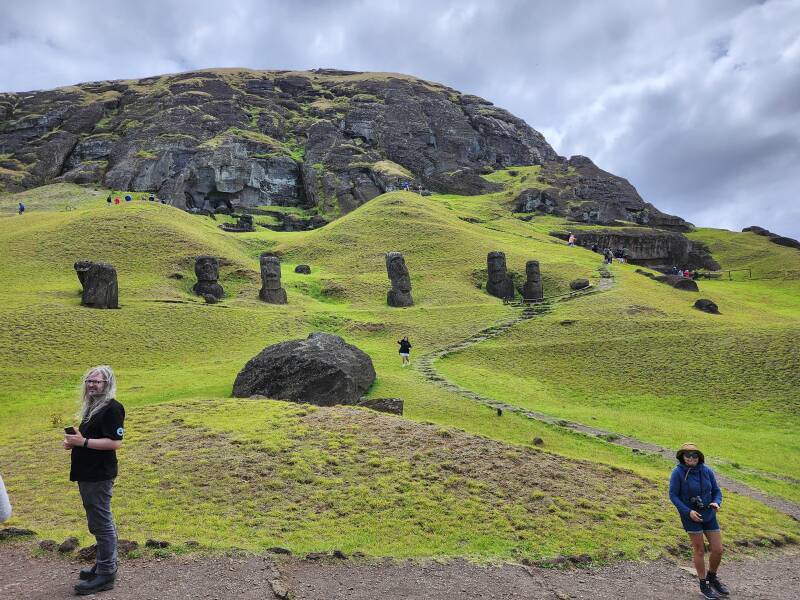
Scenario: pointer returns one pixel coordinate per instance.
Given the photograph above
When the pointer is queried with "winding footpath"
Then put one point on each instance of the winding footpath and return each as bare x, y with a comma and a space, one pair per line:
425, 365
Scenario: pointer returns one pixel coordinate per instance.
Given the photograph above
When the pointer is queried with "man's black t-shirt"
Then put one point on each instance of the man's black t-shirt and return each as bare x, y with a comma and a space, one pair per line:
99, 465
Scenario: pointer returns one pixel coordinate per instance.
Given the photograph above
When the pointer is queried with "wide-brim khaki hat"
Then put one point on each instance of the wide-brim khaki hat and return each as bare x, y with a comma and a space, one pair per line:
689, 447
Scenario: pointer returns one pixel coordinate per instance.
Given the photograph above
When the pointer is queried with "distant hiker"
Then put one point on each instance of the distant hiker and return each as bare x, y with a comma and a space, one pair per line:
116, 200
94, 467
404, 185
571, 240
128, 198
608, 255
108, 200
594, 247
675, 270
405, 350
21, 208
694, 491
5, 505
152, 198
623, 254
687, 273
163, 201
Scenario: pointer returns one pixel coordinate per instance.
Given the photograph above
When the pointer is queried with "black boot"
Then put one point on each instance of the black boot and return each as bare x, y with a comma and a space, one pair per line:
718, 586
707, 591
98, 583
87, 574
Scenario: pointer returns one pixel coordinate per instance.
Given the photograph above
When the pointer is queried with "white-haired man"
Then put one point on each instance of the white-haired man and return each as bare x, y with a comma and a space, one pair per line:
94, 467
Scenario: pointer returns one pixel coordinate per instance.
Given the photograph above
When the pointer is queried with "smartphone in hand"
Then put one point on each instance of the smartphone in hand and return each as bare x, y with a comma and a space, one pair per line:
70, 430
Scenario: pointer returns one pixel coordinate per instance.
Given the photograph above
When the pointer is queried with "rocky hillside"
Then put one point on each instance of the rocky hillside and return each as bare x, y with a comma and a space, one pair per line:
323, 140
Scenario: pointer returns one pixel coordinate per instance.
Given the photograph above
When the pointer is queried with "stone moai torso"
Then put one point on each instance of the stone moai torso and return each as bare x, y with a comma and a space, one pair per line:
206, 268
532, 289
100, 286
271, 290
498, 282
400, 294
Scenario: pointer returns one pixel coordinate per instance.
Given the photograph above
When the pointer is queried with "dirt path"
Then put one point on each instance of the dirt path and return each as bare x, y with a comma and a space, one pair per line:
426, 366
23, 577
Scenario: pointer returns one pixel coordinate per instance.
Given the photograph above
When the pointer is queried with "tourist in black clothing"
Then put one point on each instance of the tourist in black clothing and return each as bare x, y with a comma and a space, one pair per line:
94, 467
405, 350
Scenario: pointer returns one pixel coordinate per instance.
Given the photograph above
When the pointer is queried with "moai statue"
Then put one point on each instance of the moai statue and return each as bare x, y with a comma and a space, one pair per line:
532, 290
245, 223
271, 290
400, 294
81, 268
499, 283
207, 270
100, 286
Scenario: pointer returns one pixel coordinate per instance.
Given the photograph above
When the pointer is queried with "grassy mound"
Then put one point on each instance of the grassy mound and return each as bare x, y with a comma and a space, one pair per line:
255, 474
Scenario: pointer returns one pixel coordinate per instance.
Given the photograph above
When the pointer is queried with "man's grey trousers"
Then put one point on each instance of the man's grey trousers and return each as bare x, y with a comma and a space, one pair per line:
96, 496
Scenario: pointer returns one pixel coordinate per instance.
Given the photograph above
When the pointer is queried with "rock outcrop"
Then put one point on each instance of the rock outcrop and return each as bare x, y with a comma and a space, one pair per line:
271, 290
773, 237
580, 190
498, 281
392, 406
400, 293
230, 138
660, 250
322, 369
100, 289
206, 268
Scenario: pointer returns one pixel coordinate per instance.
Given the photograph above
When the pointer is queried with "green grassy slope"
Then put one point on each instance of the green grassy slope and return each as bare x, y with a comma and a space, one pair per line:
274, 473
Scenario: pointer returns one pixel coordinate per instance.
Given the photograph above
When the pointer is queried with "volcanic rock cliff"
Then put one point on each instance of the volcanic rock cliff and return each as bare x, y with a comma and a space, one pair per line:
325, 140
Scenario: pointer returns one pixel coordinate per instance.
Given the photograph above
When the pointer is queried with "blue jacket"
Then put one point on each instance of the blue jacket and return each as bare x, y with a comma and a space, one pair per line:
685, 483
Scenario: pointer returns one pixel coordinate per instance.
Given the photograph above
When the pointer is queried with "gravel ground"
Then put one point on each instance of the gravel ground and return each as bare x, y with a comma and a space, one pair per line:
51, 577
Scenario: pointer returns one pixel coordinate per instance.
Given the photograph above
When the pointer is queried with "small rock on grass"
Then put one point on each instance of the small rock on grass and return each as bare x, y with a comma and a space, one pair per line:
69, 545
156, 544
48, 545
14, 532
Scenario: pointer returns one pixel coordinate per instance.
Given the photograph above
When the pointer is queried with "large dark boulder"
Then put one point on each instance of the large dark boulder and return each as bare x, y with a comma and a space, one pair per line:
579, 284
100, 289
303, 269
679, 282
706, 305
322, 369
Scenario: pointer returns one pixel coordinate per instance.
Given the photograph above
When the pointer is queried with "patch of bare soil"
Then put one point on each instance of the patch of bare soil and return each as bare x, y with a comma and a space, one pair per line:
222, 577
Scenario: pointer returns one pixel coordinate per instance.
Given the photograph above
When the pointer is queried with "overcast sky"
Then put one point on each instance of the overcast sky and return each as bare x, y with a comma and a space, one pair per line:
696, 102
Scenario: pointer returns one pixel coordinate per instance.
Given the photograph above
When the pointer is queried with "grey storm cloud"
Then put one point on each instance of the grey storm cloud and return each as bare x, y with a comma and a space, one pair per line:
696, 103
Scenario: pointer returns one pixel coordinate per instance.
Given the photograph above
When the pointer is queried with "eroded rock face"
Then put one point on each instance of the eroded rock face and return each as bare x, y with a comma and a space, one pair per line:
498, 283
400, 294
579, 189
660, 250
209, 140
773, 237
206, 268
532, 289
323, 370
100, 288
271, 290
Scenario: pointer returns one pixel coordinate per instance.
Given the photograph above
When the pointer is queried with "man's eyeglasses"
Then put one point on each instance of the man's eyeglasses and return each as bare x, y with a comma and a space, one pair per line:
98, 381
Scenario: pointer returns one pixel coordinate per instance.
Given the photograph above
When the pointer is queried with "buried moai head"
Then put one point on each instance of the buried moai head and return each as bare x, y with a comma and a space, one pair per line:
271, 290
81, 268
100, 288
400, 294
498, 282
206, 268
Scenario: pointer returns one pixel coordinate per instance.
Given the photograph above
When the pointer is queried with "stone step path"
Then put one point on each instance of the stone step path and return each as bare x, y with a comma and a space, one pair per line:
425, 365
